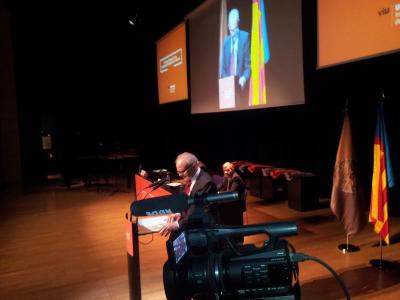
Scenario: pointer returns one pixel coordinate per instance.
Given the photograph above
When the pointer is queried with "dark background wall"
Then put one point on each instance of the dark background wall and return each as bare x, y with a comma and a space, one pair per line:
10, 162
87, 77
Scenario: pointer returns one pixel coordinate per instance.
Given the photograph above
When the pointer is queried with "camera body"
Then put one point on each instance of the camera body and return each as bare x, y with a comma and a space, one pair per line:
205, 263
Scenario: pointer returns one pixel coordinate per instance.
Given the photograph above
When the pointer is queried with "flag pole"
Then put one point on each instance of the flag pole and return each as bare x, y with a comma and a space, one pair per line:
382, 180
346, 201
381, 264
344, 248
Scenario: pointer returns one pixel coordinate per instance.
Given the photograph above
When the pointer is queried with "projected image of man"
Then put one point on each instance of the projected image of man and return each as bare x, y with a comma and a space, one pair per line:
236, 51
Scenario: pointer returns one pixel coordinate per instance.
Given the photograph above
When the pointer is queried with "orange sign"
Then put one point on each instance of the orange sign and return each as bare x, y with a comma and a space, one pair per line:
143, 192
351, 30
172, 66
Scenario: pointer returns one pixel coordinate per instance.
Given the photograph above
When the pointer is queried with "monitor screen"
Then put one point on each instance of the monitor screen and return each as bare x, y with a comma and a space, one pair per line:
180, 247
357, 29
245, 54
172, 66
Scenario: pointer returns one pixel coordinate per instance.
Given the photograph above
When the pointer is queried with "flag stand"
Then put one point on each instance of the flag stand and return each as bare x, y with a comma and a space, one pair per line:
348, 247
382, 180
380, 263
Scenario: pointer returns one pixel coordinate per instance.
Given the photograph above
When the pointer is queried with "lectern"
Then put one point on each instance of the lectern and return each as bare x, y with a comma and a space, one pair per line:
227, 92
133, 231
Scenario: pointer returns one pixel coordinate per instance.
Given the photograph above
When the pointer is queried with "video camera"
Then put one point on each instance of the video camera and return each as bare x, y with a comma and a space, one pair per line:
205, 263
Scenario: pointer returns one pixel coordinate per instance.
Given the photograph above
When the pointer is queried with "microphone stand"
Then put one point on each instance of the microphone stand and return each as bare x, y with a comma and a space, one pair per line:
148, 193
154, 186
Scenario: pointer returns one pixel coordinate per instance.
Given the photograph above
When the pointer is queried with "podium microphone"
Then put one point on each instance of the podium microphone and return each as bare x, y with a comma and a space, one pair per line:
154, 185
158, 183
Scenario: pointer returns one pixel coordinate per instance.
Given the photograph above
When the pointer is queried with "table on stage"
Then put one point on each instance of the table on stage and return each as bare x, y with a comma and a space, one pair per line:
120, 163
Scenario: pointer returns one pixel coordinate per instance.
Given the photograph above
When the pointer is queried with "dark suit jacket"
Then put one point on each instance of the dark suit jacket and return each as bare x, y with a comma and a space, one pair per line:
236, 184
231, 213
204, 185
243, 56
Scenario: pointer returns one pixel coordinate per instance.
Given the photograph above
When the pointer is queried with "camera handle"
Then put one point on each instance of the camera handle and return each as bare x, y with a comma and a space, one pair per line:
201, 214
274, 230
202, 210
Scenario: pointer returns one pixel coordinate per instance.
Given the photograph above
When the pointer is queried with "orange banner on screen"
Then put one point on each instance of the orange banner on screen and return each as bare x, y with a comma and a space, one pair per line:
356, 29
172, 66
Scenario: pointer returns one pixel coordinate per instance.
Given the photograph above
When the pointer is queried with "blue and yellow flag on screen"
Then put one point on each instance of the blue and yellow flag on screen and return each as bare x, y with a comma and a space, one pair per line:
259, 54
382, 178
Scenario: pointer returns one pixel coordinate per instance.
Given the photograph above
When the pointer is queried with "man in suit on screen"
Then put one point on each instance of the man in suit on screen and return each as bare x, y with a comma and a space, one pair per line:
236, 54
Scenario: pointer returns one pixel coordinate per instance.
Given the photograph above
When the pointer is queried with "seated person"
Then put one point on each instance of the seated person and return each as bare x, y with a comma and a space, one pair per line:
196, 182
232, 213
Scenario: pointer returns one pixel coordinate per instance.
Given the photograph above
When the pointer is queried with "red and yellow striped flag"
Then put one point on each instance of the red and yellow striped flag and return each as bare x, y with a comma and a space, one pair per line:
382, 178
259, 54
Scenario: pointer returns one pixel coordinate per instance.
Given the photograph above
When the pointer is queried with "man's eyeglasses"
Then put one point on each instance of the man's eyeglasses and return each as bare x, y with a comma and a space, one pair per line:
182, 173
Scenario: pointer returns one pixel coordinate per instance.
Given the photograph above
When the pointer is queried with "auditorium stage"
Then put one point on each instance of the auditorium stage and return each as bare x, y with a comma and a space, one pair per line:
70, 244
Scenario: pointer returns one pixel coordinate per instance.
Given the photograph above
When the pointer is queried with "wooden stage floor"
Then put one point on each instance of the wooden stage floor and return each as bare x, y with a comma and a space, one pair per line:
70, 244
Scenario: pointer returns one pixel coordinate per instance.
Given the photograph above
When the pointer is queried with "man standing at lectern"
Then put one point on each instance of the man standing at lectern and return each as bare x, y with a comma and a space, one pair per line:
196, 182
236, 53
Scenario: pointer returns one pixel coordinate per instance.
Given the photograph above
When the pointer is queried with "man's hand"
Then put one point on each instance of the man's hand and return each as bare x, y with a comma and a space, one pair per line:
171, 225
242, 82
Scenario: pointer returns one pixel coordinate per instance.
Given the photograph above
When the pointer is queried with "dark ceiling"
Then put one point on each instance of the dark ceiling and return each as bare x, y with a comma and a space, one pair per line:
150, 17
90, 50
